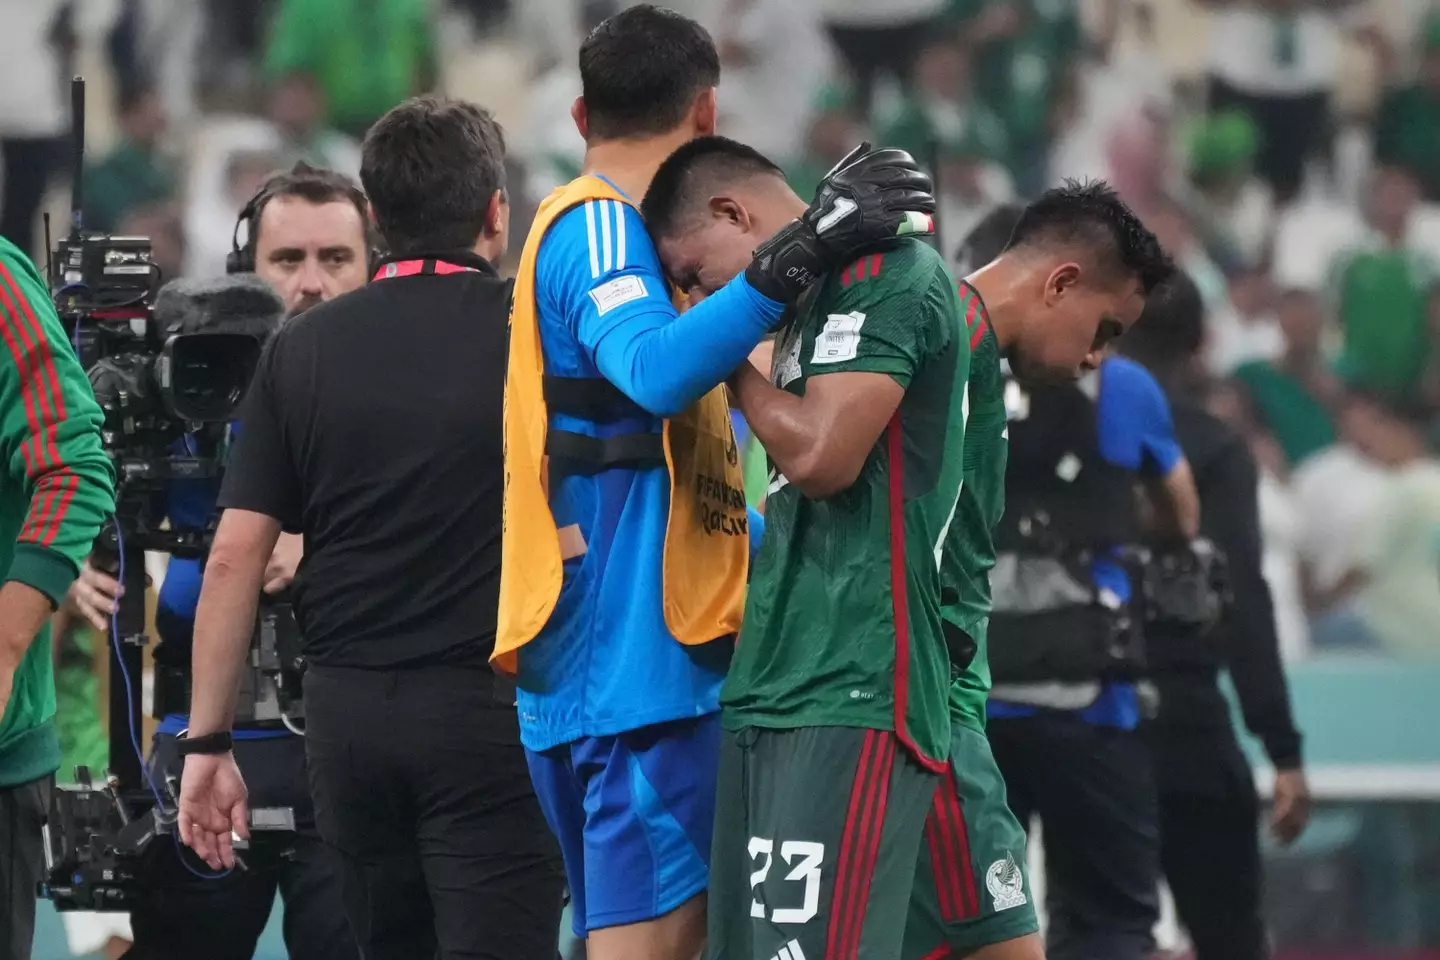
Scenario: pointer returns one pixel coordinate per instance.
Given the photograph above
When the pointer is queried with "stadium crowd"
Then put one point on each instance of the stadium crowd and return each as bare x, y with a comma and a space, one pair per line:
1285, 152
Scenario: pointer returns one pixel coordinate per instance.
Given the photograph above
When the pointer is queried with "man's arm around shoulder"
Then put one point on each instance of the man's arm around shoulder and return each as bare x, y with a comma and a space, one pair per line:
598, 268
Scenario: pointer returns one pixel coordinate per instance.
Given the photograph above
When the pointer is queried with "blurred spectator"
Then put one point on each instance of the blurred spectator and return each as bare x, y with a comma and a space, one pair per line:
1383, 288
773, 58
1407, 129
1278, 61
1391, 596
1294, 395
1279, 517
970, 182
33, 111
1238, 207
879, 38
834, 132
941, 107
211, 213
297, 108
167, 236
1335, 494
137, 172
366, 55
1251, 330
1026, 68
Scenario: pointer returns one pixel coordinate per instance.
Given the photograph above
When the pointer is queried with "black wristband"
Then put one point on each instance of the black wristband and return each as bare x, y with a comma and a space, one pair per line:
211, 743
788, 263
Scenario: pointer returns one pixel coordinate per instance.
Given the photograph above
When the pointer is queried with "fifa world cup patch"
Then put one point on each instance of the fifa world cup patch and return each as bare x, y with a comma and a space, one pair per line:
613, 293
839, 340
1006, 884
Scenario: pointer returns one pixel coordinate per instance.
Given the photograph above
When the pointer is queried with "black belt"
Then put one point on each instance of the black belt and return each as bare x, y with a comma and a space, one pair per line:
600, 401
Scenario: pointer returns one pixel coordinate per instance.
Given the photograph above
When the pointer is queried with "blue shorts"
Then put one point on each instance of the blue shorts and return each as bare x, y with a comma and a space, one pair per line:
633, 813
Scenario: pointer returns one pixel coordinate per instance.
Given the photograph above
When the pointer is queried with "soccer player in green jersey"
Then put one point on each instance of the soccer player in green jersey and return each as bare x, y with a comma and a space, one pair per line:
837, 703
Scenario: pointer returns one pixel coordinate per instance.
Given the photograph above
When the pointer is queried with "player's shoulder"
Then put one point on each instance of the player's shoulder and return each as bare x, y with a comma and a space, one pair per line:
596, 237
890, 264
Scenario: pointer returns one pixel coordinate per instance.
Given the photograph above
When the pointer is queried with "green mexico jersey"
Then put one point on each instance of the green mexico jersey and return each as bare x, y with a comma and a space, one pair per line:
970, 546
843, 615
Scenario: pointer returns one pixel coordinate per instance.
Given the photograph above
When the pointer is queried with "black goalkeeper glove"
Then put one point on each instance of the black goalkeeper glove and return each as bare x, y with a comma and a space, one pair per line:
866, 199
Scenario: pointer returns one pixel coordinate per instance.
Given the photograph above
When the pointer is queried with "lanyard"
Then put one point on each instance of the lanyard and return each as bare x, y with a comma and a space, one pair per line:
409, 268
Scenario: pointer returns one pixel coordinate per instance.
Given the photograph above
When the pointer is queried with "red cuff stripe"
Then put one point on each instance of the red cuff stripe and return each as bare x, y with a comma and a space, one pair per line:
41, 371
32, 449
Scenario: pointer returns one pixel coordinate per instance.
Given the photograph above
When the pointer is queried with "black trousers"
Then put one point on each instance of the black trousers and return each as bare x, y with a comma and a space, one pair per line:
192, 916
1092, 789
420, 781
23, 810
1209, 841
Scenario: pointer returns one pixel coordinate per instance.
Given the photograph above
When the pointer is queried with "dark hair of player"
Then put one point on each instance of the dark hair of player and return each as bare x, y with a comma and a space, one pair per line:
430, 167
988, 238
641, 69
1091, 217
1171, 328
694, 173
315, 185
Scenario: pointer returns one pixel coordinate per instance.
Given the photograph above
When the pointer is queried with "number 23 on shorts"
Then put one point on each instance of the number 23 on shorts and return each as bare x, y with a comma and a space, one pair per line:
788, 901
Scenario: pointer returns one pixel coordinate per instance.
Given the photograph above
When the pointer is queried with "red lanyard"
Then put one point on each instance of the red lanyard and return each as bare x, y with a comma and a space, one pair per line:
409, 268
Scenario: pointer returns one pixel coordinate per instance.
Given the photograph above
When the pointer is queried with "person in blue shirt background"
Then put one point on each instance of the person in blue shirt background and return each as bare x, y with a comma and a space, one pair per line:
1084, 771
619, 720
308, 240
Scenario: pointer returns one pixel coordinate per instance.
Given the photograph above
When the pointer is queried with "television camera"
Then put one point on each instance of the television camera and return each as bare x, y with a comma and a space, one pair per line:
169, 367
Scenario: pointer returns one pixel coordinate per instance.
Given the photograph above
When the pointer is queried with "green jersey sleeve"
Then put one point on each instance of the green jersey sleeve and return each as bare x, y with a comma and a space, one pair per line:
887, 312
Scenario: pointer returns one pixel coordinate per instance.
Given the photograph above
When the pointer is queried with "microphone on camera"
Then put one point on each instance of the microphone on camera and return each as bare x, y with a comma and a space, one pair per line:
240, 303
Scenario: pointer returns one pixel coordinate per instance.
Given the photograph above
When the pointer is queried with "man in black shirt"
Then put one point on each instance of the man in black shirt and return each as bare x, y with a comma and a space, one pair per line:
372, 428
1210, 851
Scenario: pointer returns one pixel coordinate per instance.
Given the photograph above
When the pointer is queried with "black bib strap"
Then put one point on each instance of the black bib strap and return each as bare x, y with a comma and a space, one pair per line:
590, 398
580, 454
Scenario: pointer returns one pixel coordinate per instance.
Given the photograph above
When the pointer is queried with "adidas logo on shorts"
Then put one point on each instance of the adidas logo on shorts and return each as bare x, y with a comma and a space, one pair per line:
791, 951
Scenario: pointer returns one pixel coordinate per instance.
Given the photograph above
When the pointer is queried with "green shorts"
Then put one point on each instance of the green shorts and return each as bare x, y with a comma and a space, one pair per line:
817, 830
970, 888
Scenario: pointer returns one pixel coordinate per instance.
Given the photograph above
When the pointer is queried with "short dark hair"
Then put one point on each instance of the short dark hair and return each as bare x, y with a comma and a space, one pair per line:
692, 175
641, 69
1171, 328
988, 238
430, 166
1091, 216
313, 184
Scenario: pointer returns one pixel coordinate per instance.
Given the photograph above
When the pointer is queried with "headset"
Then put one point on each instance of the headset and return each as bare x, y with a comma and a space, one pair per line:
241, 258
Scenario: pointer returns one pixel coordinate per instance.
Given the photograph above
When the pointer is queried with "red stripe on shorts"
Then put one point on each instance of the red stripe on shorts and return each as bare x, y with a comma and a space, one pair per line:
948, 805
860, 845
948, 888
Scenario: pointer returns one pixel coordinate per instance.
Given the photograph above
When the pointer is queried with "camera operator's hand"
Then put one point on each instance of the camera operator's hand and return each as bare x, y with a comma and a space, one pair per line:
1291, 811
284, 561
869, 197
94, 595
212, 804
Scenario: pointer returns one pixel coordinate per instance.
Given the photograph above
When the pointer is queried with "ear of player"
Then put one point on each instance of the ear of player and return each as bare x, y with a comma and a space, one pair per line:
868, 198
